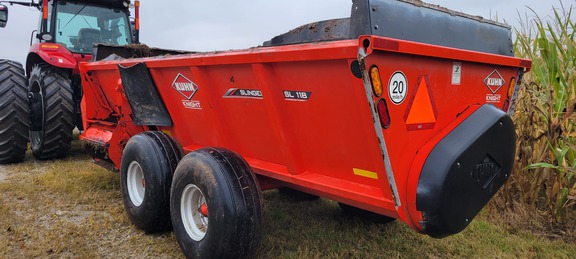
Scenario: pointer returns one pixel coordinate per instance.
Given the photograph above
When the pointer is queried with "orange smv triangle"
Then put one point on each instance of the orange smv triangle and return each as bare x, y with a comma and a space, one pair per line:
421, 110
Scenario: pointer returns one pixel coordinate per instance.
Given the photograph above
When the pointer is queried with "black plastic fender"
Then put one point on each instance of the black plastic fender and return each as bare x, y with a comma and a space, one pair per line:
464, 170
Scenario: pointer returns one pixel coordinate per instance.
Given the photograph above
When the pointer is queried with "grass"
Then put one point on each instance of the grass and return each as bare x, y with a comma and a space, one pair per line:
73, 208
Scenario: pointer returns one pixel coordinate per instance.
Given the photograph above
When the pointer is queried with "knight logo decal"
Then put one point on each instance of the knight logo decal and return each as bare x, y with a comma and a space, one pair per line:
494, 81
184, 86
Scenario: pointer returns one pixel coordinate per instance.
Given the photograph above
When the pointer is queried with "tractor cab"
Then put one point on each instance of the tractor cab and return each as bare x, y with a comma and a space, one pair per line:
78, 25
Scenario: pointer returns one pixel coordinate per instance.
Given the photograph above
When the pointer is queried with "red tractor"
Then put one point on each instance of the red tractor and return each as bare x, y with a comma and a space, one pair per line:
46, 109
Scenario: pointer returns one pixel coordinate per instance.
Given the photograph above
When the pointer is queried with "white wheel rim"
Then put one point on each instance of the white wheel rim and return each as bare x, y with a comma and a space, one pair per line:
195, 223
135, 183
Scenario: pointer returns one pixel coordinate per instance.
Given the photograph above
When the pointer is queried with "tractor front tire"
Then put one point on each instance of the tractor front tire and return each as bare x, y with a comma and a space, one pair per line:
216, 205
51, 112
14, 112
148, 162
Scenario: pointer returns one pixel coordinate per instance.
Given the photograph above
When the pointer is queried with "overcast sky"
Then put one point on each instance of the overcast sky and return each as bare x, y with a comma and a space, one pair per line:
228, 24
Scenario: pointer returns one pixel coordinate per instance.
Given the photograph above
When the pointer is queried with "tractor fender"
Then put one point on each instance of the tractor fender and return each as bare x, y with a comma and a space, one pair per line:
52, 53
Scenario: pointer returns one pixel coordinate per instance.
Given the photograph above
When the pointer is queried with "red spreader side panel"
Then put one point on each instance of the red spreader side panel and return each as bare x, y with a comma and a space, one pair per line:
295, 113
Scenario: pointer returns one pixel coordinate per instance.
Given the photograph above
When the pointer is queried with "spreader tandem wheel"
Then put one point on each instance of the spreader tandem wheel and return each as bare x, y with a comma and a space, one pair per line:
216, 205
51, 112
13, 112
148, 162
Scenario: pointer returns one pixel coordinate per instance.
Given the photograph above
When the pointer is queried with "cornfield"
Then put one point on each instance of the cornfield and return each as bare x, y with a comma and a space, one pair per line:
545, 118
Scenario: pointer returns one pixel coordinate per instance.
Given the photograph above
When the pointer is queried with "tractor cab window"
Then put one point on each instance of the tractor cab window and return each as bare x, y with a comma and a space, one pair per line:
3, 15
79, 26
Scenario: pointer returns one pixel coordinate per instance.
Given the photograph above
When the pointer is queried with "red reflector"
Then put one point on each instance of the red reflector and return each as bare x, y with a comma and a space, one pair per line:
383, 114
137, 15
203, 210
45, 10
506, 105
386, 44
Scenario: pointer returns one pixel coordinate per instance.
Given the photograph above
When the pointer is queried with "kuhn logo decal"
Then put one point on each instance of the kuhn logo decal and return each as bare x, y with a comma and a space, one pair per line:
494, 81
184, 86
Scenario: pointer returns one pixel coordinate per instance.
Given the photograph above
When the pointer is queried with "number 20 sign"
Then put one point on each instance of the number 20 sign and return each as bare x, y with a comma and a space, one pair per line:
397, 87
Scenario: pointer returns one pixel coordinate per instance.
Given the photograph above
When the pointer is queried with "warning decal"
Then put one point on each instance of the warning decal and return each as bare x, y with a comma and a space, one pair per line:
456, 73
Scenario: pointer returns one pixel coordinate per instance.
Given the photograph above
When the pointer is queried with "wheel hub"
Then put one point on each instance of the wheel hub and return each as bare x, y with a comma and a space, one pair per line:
135, 183
36, 111
194, 212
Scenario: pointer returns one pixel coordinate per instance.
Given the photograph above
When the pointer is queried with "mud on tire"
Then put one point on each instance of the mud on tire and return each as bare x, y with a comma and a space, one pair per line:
51, 112
14, 112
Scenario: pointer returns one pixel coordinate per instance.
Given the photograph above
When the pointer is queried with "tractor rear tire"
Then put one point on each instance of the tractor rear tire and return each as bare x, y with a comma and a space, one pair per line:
14, 112
148, 163
51, 112
216, 205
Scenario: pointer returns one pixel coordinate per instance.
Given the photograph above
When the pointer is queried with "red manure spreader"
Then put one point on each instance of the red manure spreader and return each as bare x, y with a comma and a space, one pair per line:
402, 110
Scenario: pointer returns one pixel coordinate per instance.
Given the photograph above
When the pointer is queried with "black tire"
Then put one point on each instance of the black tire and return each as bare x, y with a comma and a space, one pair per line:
216, 186
297, 195
14, 112
364, 214
51, 112
148, 160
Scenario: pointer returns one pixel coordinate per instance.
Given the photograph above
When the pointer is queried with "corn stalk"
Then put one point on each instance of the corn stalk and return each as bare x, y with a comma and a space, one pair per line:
546, 119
